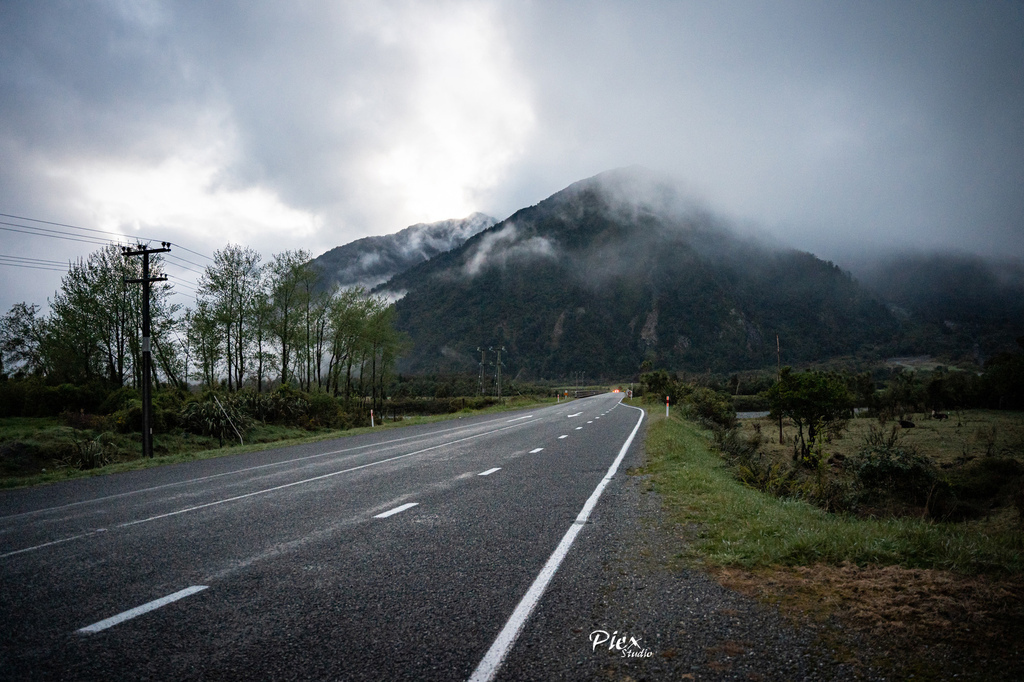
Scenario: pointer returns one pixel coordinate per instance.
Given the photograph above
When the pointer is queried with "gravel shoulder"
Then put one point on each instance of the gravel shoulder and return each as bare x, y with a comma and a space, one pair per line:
623, 577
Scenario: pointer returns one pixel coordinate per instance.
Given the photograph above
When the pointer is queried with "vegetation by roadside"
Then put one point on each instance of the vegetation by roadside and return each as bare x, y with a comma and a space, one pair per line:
931, 599
43, 450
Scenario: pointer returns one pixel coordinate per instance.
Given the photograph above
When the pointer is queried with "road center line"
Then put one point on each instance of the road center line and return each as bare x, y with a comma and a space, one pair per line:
574, 415
492, 660
396, 510
535, 451
54, 542
565, 436
314, 478
489, 471
139, 610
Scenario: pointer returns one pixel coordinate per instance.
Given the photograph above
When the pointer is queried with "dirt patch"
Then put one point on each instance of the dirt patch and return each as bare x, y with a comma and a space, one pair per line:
930, 623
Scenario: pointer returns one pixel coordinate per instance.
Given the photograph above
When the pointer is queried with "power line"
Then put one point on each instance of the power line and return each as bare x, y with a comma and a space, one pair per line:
57, 235
34, 260
129, 238
184, 260
32, 267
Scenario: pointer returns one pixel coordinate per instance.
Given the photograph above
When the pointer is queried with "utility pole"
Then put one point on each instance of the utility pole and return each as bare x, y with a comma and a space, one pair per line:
147, 361
778, 359
482, 351
497, 366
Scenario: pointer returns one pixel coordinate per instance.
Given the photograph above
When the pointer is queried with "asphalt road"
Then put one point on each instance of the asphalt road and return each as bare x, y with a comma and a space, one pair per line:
399, 555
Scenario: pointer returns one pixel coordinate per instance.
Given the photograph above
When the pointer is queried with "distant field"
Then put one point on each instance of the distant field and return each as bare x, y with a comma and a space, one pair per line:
962, 437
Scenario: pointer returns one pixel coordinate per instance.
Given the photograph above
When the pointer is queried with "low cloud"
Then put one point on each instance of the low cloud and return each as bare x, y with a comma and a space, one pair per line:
497, 248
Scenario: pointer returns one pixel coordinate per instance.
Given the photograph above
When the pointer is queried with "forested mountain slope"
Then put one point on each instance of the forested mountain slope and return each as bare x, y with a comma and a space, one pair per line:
618, 269
369, 261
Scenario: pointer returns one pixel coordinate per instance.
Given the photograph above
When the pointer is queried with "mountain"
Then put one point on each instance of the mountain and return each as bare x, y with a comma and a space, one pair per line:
370, 261
954, 305
621, 268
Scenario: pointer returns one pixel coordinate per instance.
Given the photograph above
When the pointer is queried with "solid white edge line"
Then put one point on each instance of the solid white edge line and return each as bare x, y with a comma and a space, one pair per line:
139, 610
489, 471
518, 418
396, 510
491, 662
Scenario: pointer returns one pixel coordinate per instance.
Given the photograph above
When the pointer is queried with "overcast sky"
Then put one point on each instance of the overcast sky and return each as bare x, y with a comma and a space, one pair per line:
836, 127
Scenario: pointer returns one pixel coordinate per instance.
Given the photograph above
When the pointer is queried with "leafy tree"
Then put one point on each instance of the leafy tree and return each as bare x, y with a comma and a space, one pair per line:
233, 287
22, 336
816, 401
95, 321
286, 295
203, 337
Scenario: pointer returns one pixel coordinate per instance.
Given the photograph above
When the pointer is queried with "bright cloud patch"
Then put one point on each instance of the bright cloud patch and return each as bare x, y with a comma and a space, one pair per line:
469, 114
183, 195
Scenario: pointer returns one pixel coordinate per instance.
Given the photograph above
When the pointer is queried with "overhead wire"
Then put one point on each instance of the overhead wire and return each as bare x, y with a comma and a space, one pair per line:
127, 238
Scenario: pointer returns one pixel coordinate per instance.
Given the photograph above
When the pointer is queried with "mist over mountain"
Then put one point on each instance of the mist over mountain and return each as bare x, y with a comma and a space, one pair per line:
952, 304
370, 261
622, 268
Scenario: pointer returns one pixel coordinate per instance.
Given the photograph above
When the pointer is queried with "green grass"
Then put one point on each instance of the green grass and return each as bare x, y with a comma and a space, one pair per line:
734, 525
49, 435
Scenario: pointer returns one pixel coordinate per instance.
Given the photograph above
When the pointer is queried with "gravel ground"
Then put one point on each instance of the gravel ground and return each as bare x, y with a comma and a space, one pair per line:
622, 577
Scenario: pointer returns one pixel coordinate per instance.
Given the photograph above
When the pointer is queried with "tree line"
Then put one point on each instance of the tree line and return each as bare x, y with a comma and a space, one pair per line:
255, 324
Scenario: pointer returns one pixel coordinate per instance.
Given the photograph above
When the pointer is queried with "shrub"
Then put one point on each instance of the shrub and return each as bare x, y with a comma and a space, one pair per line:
208, 418
886, 468
710, 408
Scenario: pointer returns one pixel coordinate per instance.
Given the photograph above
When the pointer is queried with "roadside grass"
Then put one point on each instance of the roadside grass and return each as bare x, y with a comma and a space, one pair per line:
737, 526
907, 596
37, 451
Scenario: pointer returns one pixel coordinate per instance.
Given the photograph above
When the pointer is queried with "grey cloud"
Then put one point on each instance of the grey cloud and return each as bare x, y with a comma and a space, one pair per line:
841, 128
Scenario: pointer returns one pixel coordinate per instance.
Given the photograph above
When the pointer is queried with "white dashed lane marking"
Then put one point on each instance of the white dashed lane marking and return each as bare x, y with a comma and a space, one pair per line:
489, 471
535, 451
139, 610
565, 436
396, 510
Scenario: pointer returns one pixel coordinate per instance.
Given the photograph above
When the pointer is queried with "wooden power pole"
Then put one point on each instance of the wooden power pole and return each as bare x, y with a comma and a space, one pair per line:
147, 361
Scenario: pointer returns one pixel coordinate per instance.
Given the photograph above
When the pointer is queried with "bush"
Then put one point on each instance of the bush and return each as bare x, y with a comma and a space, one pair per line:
889, 469
750, 403
710, 408
208, 418
322, 410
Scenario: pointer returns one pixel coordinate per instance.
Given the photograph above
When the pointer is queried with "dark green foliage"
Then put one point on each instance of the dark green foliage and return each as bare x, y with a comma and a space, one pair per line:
750, 403
710, 408
221, 420
892, 470
33, 398
817, 401
982, 486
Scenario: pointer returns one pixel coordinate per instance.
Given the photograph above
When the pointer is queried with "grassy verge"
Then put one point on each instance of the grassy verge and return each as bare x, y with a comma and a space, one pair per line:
925, 599
27, 435
739, 526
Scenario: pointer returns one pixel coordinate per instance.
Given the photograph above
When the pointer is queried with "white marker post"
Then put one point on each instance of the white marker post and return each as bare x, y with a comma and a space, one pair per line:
371, 419
666, 406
